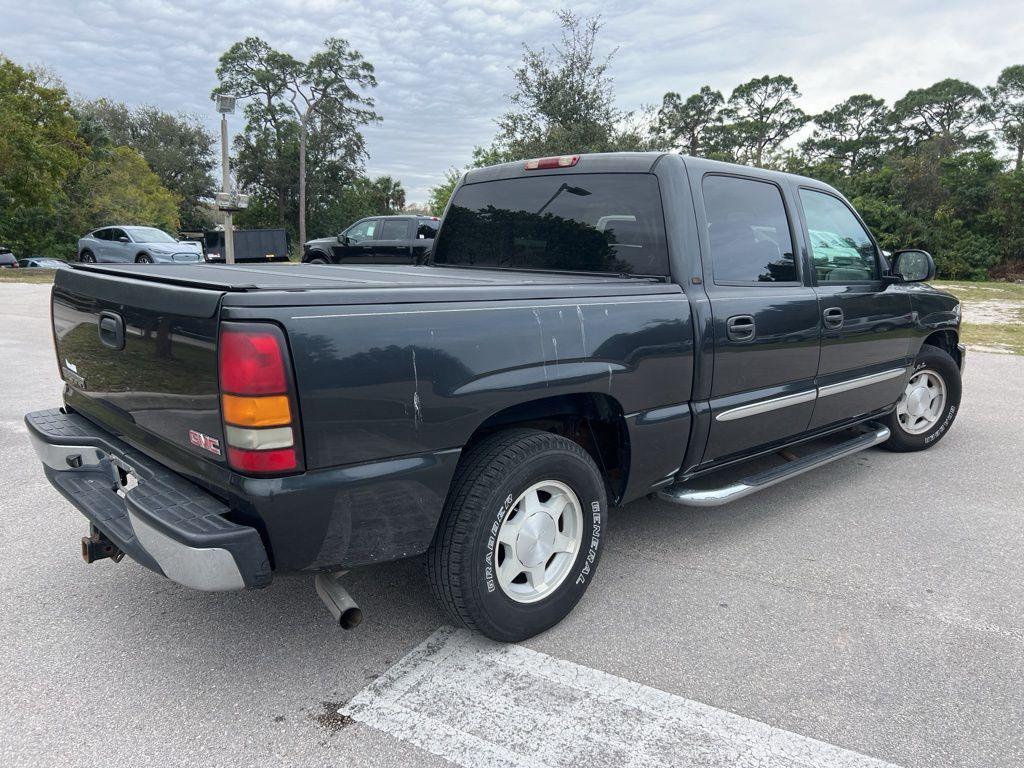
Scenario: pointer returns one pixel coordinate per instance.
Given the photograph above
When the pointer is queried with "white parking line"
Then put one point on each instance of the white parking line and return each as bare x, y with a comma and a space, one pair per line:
480, 704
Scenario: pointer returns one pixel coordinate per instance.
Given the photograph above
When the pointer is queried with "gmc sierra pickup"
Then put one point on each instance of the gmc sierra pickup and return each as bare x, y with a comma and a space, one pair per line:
590, 330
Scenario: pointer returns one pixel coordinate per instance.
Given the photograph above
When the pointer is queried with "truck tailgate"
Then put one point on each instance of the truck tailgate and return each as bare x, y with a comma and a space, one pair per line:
140, 358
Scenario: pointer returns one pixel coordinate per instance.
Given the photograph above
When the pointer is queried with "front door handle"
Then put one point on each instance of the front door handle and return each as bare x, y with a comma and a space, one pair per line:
833, 317
740, 328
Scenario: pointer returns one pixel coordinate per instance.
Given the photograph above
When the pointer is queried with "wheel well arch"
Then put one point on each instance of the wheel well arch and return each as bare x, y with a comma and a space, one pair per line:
318, 254
594, 420
140, 254
947, 341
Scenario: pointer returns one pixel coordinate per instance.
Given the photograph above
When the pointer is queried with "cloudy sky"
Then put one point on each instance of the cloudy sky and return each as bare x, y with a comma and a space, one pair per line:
444, 65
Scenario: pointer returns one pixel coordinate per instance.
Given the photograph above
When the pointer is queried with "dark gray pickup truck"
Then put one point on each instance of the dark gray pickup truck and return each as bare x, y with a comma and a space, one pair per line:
591, 330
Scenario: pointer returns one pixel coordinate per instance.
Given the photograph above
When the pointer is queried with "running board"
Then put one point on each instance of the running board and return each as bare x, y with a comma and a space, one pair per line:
713, 497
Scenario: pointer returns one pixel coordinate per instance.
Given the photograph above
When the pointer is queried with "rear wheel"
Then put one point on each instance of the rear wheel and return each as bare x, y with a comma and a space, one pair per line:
929, 402
86, 257
520, 536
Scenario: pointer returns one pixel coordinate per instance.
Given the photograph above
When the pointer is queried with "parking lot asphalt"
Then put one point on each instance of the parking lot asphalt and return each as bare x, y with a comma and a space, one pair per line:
876, 604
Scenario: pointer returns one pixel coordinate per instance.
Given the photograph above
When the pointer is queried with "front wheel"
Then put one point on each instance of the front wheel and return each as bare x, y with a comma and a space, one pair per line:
520, 536
929, 402
143, 258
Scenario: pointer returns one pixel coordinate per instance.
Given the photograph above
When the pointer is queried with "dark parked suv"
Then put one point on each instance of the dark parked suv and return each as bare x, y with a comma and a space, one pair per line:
376, 240
590, 330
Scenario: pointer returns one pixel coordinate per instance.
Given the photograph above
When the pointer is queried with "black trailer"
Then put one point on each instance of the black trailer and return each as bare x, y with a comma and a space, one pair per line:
251, 245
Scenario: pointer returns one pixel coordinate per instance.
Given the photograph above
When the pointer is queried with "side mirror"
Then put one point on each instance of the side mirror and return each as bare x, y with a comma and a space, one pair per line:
913, 265
122, 239
344, 239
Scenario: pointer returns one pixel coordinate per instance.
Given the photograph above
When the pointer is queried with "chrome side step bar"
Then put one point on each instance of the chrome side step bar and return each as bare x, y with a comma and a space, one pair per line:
714, 497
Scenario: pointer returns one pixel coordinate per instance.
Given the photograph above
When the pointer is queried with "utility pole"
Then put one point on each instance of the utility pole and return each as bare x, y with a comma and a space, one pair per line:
226, 106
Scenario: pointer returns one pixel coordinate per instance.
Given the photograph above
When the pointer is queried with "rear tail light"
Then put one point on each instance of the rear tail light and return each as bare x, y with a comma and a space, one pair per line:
543, 163
261, 426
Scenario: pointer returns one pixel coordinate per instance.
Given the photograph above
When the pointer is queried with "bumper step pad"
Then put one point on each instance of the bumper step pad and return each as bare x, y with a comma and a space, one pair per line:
161, 520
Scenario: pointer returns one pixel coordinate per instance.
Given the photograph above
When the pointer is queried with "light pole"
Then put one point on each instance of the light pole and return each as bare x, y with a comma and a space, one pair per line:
226, 106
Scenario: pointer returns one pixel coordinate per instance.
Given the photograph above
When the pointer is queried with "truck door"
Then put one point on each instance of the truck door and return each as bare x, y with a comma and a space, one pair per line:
358, 248
395, 244
866, 323
765, 312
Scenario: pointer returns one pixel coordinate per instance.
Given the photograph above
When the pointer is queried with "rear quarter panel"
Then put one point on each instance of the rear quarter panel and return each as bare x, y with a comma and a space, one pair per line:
380, 381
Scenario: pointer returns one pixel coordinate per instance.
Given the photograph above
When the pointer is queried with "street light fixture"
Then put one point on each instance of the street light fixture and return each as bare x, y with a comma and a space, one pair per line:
225, 200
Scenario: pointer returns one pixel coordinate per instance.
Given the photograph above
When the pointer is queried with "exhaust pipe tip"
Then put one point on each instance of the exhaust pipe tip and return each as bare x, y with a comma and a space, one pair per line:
351, 618
339, 602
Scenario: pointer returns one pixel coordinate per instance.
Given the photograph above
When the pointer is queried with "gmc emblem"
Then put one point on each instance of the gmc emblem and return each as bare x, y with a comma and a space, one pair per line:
207, 443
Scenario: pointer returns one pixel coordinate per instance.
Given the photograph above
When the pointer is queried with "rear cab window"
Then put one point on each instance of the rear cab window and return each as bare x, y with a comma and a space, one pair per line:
426, 229
748, 231
597, 222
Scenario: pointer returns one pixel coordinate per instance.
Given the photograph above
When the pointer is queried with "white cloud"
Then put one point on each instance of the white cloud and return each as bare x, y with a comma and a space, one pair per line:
444, 66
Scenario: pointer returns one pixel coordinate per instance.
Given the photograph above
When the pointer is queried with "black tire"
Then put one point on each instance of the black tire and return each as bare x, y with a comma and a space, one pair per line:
938, 361
86, 257
317, 260
143, 258
490, 478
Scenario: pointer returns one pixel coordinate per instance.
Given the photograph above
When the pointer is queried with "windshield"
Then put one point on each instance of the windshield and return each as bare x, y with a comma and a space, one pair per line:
598, 222
149, 235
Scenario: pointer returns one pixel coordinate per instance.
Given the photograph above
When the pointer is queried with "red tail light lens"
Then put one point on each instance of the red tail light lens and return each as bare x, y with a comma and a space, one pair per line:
252, 361
263, 462
258, 406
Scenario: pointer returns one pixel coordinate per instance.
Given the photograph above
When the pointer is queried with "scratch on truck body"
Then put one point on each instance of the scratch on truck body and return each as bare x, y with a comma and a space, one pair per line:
417, 414
543, 355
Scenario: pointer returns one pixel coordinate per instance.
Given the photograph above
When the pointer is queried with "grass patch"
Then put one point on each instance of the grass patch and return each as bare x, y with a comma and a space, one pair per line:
1000, 338
982, 291
43, 276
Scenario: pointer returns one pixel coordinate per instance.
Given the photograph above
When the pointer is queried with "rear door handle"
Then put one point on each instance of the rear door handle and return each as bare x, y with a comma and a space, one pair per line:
833, 317
740, 328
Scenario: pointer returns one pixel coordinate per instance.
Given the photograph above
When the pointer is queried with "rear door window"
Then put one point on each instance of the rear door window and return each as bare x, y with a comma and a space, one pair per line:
426, 229
394, 229
749, 231
101, 234
597, 222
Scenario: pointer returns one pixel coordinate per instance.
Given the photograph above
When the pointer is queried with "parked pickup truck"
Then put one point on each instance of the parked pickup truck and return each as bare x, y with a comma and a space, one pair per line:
591, 330
376, 240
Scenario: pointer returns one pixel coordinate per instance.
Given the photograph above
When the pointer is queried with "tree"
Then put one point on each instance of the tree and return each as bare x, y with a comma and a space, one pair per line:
39, 142
686, 125
564, 100
947, 113
851, 134
41, 152
1007, 100
438, 197
177, 148
122, 188
324, 97
762, 114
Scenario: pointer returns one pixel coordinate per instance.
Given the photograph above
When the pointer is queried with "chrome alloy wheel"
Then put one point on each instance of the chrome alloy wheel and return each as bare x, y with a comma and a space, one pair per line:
922, 403
538, 541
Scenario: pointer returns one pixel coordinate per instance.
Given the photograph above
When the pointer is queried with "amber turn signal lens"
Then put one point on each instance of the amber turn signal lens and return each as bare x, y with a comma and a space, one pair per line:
269, 411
